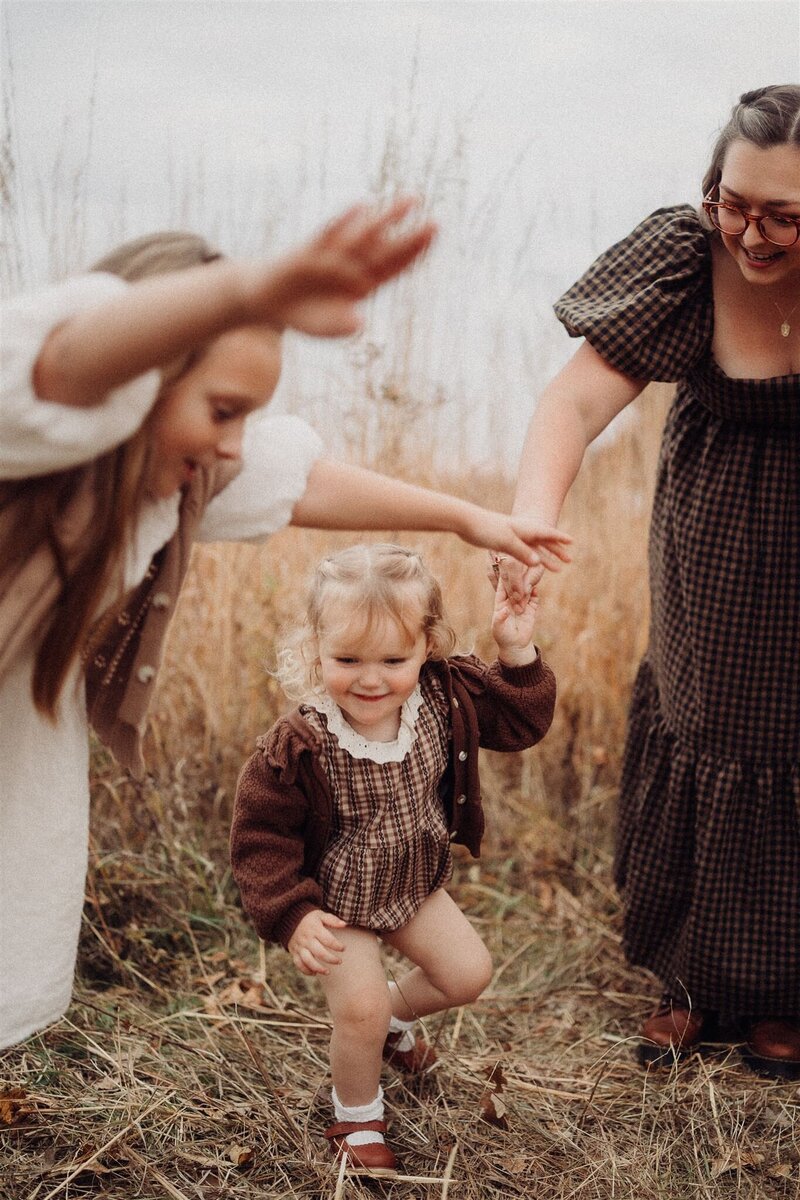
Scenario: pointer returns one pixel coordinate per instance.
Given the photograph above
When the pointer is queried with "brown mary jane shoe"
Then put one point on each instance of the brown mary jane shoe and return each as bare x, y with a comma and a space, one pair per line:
772, 1048
671, 1032
373, 1158
419, 1058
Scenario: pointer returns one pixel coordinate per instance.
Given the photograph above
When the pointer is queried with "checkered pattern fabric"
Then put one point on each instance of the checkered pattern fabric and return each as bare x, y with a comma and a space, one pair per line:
390, 845
708, 857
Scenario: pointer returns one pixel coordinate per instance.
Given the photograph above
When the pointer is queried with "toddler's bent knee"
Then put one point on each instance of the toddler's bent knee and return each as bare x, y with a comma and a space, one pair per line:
472, 980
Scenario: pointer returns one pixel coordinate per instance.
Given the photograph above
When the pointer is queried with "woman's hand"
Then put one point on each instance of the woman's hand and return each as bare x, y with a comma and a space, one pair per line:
512, 628
312, 945
518, 580
317, 288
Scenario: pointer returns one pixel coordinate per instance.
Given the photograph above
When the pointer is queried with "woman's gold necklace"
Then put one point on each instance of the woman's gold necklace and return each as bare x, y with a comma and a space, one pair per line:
786, 328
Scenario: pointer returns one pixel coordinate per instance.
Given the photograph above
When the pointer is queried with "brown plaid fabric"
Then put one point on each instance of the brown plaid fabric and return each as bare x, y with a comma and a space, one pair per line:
389, 846
708, 855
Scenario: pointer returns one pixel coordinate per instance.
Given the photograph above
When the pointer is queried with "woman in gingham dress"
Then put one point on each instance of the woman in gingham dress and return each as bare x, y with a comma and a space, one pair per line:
344, 817
708, 858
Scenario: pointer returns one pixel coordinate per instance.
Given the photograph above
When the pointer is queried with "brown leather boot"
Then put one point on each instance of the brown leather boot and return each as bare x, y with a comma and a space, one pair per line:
370, 1158
773, 1048
671, 1032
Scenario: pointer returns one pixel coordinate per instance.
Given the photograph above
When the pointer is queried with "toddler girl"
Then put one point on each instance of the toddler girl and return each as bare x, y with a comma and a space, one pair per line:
344, 816
129, 428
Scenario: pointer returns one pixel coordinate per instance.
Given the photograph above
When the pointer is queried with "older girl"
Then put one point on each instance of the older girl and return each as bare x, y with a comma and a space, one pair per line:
127, 432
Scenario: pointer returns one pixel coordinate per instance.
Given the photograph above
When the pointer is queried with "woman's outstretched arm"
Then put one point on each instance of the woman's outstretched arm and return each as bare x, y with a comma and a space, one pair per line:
574, 408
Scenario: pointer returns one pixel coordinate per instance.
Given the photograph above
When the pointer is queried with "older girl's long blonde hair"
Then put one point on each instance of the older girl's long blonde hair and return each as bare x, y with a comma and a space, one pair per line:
365, 584
118, 482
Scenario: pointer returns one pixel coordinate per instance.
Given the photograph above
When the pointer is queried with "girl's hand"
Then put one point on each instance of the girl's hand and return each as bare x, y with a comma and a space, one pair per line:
512, 628
531, 542
313, 947
317, 289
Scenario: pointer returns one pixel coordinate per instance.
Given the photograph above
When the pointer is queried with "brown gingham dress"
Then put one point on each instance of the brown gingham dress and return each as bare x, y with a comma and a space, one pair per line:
390, 845
708, 853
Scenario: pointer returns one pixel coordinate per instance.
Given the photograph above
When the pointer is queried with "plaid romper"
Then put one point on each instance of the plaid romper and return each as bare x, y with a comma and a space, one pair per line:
390, 845
708, 853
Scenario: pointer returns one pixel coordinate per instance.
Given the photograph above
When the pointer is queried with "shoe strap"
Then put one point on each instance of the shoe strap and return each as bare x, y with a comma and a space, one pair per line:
342, 1128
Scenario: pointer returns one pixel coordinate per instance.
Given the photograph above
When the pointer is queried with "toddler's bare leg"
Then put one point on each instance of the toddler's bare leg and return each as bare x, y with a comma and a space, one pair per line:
360, 1007
452, 964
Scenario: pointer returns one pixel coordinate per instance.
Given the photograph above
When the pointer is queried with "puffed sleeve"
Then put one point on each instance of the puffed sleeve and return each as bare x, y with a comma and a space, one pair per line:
39, 436
277, 455
645, 304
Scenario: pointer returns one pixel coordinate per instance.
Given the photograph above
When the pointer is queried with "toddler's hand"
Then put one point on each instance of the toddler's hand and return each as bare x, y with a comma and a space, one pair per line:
512, 628
312, 945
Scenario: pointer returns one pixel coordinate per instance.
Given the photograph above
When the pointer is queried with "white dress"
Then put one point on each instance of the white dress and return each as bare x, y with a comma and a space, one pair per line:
44, 792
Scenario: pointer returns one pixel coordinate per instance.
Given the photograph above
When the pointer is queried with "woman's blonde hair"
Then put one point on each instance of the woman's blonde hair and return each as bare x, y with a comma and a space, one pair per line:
118, 481
366, 584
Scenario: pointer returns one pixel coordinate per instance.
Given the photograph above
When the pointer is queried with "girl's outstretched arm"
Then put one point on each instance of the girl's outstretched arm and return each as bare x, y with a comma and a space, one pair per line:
316, 290
340, 496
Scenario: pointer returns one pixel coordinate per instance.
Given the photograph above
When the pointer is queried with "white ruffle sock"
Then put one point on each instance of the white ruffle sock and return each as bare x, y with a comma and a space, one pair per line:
406, 1039
362, 1112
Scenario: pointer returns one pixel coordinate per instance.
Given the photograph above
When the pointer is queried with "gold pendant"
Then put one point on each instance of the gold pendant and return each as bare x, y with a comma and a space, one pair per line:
786, 329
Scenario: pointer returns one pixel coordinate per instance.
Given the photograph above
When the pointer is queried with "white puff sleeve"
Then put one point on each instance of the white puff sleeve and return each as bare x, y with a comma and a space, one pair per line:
39, 436
277, 455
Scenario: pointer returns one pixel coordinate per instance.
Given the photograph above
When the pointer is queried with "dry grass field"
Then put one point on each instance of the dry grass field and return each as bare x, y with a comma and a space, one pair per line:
193, 1066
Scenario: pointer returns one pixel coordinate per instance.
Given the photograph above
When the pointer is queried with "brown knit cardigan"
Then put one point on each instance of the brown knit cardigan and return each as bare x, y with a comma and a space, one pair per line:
283, 807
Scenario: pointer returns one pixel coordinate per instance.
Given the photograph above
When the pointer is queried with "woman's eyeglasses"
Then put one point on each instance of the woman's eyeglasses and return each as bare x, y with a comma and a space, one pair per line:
780, 231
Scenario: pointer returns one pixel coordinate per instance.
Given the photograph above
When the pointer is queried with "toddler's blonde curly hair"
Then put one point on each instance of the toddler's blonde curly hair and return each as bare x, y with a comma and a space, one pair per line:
363, 586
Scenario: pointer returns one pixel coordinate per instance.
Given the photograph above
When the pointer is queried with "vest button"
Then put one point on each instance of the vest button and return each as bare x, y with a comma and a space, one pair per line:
161, 600
462, 756
145, 673
461, 800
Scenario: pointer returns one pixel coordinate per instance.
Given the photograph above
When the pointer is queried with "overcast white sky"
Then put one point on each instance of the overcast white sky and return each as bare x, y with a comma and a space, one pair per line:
539, 131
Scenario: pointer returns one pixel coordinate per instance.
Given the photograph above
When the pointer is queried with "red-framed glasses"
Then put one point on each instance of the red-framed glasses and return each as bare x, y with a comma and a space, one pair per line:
730, 219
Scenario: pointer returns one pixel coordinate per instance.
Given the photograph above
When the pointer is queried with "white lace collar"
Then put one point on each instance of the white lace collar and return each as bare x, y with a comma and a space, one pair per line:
360, 747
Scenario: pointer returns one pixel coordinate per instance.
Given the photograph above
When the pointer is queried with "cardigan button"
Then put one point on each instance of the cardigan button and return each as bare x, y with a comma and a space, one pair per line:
461, 800
161, 600
462, 756
145, 673
455, 702
453, 834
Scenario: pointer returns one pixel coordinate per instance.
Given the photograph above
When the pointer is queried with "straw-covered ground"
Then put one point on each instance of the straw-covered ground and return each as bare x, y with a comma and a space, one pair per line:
191, 1066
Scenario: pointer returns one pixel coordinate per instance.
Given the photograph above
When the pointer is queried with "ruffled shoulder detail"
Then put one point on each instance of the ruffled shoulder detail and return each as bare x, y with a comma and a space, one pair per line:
645, 304
284, 743
360, 747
